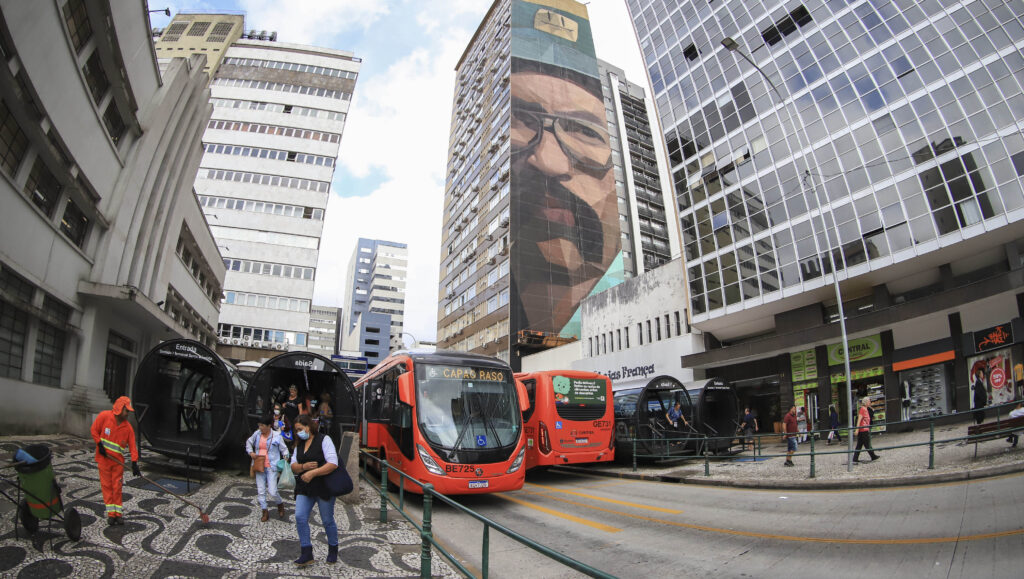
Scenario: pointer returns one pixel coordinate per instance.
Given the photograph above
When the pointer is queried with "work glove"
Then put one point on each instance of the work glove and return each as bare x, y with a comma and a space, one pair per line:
100, 449
135, 469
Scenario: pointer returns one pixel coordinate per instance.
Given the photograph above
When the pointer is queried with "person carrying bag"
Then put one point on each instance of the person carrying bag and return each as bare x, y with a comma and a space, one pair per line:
266, 448
313, 462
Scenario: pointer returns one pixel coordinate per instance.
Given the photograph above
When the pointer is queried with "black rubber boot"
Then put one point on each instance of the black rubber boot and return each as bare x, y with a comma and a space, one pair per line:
306, 557
332, 553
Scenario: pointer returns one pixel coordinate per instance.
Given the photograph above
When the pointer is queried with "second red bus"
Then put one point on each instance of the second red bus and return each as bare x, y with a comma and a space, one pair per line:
570, 419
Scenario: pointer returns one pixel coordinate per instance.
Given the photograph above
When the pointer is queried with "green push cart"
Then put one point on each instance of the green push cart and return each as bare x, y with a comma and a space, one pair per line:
41, 500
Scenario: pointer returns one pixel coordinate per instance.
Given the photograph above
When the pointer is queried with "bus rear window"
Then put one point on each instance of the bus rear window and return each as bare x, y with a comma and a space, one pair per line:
580, 398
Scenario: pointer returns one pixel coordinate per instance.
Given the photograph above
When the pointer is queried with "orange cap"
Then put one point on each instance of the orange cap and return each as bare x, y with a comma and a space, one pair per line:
122, 403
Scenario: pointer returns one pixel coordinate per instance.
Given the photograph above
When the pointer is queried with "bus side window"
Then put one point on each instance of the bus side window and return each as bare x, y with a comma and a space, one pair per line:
390, 388
375, 399
531, 395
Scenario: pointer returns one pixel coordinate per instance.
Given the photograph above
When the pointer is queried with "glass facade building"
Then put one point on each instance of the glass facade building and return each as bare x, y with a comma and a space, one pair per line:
912, 110
879, 138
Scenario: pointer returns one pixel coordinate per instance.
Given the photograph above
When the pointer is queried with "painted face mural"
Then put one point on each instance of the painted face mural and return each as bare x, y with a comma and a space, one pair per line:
564, 210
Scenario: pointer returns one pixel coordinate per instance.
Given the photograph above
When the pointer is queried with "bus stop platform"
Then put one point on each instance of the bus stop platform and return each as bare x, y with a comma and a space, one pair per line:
163, 537
954, 460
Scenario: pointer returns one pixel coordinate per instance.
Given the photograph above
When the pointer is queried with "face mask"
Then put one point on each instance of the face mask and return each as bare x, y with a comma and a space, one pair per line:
303, 434
276, 412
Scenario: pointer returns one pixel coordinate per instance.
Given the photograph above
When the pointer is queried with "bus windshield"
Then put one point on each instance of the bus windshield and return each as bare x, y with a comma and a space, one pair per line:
467, 408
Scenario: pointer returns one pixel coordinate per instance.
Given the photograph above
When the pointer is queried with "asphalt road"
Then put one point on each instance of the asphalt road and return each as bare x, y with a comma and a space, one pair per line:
639, 528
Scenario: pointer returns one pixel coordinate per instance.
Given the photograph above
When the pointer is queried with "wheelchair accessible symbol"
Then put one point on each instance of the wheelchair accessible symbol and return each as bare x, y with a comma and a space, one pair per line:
481, 440
558, 425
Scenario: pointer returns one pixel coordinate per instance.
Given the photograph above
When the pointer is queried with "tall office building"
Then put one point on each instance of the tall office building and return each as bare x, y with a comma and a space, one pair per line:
374, 306
104, 251
324, 322
647, 216
270, 153
541, 208
892, 148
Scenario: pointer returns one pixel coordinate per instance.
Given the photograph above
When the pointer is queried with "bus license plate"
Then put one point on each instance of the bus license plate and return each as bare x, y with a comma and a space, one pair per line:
582, 440
478, 484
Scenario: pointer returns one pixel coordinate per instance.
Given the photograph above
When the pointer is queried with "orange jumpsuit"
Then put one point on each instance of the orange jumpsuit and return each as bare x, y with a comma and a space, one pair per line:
117, 439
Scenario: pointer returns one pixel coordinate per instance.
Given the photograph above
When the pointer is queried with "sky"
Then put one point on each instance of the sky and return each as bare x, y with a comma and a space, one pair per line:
389, 182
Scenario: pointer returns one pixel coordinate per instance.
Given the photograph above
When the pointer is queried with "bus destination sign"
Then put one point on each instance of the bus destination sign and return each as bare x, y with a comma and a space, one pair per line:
465, 373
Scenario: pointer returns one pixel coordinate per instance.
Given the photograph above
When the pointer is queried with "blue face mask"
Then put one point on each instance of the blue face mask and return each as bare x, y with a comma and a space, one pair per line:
303, 434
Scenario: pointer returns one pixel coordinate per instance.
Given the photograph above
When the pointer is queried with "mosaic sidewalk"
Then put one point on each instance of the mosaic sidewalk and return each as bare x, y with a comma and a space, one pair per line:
163, 537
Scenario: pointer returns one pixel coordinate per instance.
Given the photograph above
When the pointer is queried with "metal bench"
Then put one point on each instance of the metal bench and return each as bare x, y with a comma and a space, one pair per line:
992, 430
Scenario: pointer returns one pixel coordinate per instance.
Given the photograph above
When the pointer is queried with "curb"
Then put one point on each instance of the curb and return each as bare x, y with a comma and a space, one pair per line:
810, 484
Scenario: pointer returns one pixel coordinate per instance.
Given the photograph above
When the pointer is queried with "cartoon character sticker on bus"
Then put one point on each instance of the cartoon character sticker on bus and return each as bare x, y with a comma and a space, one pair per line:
561, 386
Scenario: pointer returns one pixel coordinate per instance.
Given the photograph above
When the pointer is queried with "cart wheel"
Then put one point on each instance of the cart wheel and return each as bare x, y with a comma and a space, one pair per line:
28, 520
72, 524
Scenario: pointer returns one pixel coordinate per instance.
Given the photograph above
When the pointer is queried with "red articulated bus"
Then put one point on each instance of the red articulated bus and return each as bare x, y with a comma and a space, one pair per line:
570, 419
451, 419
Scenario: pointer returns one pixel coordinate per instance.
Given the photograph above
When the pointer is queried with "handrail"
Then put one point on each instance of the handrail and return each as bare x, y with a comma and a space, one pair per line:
426, 534
703, 440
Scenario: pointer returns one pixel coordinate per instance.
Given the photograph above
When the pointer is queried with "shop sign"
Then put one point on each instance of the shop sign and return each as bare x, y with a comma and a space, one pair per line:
804, 365
992, 338
858, 374
860, 349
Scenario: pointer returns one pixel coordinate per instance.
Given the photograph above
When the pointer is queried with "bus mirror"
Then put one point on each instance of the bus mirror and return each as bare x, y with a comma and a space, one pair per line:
405, 388
524, 400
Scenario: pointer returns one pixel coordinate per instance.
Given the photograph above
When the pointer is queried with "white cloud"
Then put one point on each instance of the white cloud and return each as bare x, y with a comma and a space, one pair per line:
315, 22
398, 127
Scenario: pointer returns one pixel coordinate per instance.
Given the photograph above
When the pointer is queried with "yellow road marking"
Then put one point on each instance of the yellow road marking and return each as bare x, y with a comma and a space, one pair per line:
552, 512
613, 501
920, 541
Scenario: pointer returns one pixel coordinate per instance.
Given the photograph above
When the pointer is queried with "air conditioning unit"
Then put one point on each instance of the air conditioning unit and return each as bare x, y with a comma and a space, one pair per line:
491, 261
504, 251
224, 340
450, 295
236, 342
247, 339
504, 222
473, 209
257, 344
489, 237
280, 346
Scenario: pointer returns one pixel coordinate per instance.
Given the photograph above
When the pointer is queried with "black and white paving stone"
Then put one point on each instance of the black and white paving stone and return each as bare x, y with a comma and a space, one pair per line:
163, 537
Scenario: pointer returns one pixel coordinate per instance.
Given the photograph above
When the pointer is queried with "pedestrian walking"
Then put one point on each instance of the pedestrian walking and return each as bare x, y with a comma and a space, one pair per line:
314, 459
833, 423
792, 431
675, 414
265, 448
114, 438
801, 422
749, 427
864, 431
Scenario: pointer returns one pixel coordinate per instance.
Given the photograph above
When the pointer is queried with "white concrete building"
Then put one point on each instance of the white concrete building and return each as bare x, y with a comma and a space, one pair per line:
323, 330
632, 333
104, 250
270, 152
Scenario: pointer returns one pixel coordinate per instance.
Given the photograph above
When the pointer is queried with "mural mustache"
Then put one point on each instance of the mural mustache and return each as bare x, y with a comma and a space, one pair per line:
555, 212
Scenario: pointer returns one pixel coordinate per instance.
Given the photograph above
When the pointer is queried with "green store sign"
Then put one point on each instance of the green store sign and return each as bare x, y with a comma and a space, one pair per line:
860, 349
804, 365
858, 375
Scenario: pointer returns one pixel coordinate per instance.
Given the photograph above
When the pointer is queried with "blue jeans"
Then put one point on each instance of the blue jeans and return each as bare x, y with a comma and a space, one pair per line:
303, 508
266, 487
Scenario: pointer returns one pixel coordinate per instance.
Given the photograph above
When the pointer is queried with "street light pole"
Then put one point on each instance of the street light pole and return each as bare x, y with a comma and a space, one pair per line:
732, 46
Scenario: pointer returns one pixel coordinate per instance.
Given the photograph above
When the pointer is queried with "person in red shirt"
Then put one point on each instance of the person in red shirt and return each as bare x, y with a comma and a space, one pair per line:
864, 430
792, 431
114, 437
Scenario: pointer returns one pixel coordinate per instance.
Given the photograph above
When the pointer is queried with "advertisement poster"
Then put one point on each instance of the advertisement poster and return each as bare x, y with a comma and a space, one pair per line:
804, 365
991, 379
564, 209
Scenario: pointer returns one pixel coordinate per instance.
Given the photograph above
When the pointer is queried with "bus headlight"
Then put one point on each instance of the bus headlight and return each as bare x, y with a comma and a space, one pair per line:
518, 462
429, 462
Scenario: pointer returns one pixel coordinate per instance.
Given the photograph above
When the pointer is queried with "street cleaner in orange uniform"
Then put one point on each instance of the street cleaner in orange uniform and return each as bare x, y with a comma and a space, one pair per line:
114, 437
